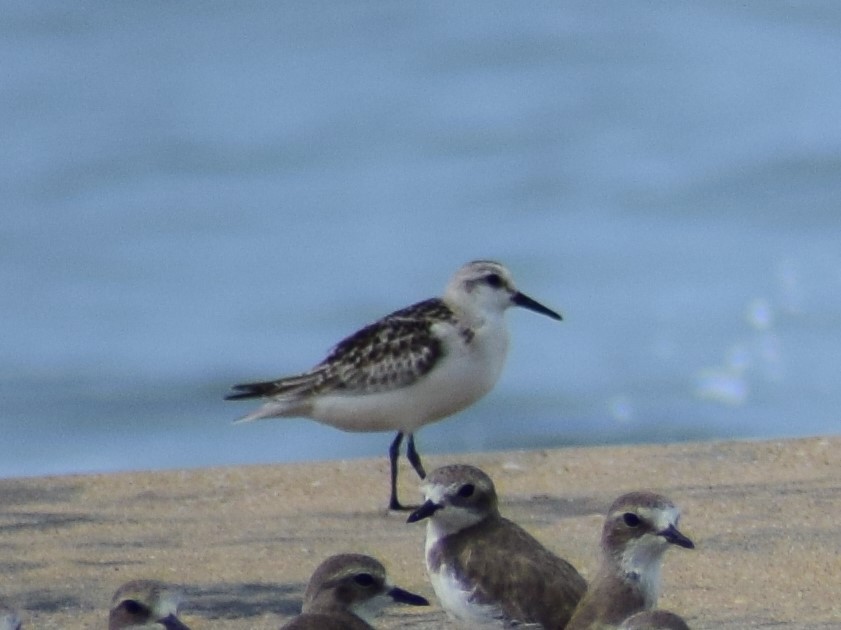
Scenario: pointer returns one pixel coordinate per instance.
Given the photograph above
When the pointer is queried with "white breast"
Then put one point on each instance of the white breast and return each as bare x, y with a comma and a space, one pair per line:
468, 371
455, 596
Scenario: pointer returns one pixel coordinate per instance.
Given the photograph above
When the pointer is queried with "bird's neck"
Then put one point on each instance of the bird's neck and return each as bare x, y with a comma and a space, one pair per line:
639, 568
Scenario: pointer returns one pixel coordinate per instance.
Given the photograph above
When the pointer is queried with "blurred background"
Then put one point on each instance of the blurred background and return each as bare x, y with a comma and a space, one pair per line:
196, 195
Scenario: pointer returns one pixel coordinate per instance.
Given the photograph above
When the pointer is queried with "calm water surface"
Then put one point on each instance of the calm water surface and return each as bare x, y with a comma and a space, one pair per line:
197, 195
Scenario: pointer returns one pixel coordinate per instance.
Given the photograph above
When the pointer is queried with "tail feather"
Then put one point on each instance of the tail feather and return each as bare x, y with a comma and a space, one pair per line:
282, 398
290, 386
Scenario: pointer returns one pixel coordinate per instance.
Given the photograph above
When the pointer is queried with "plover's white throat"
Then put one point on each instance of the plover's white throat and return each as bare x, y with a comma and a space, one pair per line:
415, 366
147, 604
654, 620
485, 569
346, 592
640, 526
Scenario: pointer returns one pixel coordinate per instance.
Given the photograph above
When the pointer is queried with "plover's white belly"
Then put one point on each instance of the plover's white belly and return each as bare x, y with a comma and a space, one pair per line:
455, 598
465, 374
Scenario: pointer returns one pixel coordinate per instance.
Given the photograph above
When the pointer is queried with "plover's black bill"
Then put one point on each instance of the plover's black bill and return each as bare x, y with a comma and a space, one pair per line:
425, 511
405, 597
673, 535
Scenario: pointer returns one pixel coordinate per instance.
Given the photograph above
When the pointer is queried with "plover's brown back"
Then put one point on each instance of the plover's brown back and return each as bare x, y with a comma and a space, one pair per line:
484, 568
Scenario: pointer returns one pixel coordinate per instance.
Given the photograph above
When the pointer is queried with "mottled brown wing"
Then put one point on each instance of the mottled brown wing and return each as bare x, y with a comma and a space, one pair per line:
393, 352
390, 353
549, 594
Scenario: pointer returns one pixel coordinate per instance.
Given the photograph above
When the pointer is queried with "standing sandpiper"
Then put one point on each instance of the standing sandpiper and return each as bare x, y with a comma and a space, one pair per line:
485, 569
640, 526
345, 592
146, 604
413, 367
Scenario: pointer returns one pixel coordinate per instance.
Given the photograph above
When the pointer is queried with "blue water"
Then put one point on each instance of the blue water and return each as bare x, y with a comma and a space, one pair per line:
195, 195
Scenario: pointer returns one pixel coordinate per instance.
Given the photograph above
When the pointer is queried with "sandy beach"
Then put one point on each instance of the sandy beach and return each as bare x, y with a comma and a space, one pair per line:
243, 541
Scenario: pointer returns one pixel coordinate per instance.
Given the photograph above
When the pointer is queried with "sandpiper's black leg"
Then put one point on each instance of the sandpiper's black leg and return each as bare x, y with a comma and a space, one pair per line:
393, 455
414, 458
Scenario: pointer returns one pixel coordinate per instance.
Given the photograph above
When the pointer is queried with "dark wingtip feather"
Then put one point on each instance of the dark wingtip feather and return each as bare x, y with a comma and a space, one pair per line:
250, 390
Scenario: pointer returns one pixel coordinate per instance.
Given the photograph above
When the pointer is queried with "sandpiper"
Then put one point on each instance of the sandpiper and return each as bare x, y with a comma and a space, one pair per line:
485, 569
415, 366
9, 618
640, 526
346, 592
146, 604
654, 620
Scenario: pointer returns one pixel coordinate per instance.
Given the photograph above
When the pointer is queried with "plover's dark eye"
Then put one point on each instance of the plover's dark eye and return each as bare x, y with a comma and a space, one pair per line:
494, 280
631, 519
133, 607
363, 579
466, 490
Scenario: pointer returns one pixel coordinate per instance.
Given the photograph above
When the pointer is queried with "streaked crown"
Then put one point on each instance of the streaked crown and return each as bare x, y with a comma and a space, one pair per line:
457, 496
356, 583
485, 286
145, 602
482, 283
642, 519
343, 581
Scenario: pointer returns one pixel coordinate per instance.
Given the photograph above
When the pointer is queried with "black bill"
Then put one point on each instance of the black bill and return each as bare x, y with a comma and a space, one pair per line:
405, 597
425, 511
673, 535
521, 299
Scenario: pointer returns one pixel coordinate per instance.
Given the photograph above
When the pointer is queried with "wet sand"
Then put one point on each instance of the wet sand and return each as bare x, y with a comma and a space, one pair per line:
765, 516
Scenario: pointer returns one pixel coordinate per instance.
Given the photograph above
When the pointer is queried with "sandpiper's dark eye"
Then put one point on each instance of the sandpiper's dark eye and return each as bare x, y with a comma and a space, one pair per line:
363, 579
494, 280
631, 519
466, 490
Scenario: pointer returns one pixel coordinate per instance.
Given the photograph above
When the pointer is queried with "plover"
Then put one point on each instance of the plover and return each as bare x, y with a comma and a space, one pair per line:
346, 592
485, 569
415, 366
9, 618
640, 526
654, 620
146, 604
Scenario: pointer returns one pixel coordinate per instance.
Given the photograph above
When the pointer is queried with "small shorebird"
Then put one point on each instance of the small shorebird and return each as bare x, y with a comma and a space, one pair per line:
640, 526
146, 604
345, 592
485, 569
415, 366
9, 618
654, 620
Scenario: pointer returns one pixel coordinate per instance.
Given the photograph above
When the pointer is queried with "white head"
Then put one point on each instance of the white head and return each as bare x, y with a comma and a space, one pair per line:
354, 583
640, 526
484, 286
457, 497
